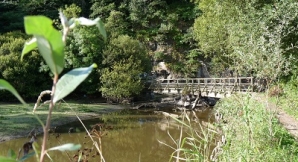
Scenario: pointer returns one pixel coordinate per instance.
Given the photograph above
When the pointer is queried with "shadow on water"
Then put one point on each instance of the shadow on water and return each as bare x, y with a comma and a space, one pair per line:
128, 135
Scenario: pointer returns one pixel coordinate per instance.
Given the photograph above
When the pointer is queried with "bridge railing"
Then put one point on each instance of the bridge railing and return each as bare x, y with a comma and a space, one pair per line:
242, 84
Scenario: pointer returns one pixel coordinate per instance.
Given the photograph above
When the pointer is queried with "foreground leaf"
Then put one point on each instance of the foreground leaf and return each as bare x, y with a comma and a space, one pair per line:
69, 81
5, 85
45, 50
29, 46
27, 156
66, 147
41, 26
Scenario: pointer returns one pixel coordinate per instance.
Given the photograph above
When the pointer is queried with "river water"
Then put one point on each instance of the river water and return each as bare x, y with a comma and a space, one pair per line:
127, 136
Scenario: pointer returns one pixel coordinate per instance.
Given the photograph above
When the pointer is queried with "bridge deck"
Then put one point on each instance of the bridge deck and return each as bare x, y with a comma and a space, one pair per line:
211, 87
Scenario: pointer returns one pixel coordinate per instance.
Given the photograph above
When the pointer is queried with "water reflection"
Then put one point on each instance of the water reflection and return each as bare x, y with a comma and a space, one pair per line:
132, 136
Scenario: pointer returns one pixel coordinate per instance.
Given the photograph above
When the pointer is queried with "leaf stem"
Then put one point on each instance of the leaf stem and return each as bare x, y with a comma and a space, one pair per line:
48, 123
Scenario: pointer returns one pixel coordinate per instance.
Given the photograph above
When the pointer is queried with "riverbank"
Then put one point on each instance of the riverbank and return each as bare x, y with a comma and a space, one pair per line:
17, 121
255, 129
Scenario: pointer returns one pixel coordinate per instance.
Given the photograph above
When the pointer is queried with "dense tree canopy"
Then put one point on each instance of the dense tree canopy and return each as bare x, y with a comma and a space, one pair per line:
250, 37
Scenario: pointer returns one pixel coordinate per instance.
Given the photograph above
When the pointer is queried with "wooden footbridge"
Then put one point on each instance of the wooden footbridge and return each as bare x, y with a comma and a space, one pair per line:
207, 87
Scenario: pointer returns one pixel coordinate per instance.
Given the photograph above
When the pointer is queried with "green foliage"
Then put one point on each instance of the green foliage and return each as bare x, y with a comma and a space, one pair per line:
48, 40
197, 142
252, 133
69, 81
51, 44
102, 8
162, 26
264, 50
146, 13
11, 17
288, 101
116, 24
24, 75
125, 59
72, 11
85, 47
255, 37
124, 47
5, 85
122, 81
210, 30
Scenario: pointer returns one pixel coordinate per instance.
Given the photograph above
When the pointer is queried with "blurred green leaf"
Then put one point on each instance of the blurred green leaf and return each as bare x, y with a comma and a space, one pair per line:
87, 22
69, 81
66, 147
5, 85
27, 156
100, 25
46, 51
41, 26
29, 46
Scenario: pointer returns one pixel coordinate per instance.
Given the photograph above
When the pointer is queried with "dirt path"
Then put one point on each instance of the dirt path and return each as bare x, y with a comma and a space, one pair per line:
289, 122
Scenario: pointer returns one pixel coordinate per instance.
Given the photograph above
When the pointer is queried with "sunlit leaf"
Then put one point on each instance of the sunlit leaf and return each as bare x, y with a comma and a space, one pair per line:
27, 156
87, 22
45, 50
69, 81
41, 26
100, 25
5, 85
97, 22
66, 147
29, 46
11, 154
7, 159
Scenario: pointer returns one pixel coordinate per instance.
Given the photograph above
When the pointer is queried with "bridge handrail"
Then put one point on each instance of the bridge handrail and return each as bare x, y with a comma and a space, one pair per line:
205, 85
219, 81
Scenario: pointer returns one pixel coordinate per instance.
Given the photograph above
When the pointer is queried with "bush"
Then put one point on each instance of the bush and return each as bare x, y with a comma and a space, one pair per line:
124, 60
24, 75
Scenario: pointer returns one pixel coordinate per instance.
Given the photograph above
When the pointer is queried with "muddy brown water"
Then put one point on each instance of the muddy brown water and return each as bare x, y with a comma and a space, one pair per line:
128, 136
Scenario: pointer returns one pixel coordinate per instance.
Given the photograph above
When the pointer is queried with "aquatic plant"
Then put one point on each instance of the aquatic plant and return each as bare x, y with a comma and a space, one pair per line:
197, 139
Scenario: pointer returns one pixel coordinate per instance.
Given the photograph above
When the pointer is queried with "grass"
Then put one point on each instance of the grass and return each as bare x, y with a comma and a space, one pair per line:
287, 100
196, 140
247, 132
17, 120
253, 133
